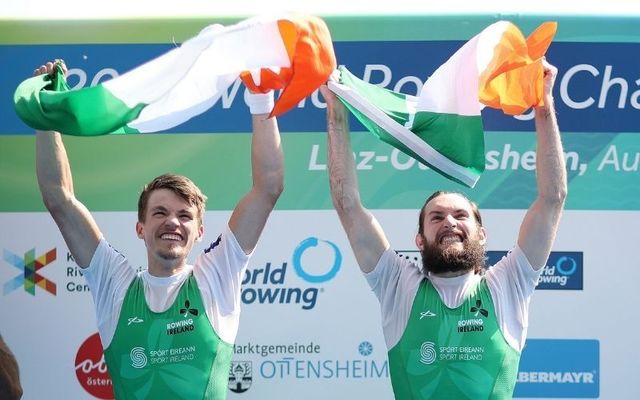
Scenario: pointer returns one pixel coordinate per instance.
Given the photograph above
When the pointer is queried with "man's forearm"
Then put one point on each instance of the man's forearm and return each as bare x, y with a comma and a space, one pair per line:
342, 171
52, 168
266, 155
551, 172
365, 234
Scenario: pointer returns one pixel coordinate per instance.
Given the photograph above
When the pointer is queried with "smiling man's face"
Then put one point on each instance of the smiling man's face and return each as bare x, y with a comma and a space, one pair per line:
169, 231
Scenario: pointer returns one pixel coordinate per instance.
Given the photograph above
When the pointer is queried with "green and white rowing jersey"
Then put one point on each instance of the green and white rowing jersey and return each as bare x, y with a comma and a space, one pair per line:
156, 334
456, 353
440, 343
174, 354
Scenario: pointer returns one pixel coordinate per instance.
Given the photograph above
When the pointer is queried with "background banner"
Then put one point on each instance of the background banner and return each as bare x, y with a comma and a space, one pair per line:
310, 327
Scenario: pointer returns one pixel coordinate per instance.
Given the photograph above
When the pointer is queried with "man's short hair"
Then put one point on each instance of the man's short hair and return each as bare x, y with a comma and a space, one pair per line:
474, 208
182, 186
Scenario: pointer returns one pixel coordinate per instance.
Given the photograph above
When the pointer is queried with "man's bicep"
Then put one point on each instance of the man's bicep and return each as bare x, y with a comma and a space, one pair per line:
79, 230
538, 232
366, 237
249, 218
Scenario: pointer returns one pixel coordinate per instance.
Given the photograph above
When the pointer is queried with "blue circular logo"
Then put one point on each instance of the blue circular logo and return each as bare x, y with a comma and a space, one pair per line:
365, 348
563, 269
297, 263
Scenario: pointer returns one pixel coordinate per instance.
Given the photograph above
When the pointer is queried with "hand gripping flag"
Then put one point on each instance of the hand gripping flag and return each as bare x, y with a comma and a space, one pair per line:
442, 126
293, 53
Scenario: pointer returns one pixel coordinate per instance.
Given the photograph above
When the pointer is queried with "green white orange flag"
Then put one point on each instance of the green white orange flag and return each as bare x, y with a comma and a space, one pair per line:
293, 53
442, 126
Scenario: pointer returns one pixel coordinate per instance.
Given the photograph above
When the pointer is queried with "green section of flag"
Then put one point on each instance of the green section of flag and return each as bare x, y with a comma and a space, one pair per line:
452, 144
394, 104
463, 142
109, 171
44, 101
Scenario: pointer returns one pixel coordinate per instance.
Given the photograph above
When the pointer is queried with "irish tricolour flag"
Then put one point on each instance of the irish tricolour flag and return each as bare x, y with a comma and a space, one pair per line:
293, 53
442, 126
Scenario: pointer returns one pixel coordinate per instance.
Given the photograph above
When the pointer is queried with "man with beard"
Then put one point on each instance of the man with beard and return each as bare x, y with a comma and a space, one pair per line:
453, 329
167, 331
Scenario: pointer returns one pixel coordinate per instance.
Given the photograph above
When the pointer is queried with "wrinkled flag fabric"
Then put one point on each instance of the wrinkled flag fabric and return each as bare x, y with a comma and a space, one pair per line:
442, 126
292, 53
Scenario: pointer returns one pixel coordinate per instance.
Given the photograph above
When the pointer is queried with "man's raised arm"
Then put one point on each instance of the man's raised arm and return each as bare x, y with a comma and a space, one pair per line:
365, 234
538, 230
267, 171
78, 228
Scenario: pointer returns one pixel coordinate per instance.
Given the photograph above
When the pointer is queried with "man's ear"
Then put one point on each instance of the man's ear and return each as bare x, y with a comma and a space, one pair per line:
482, 235
420, 241
200, 233
139, 230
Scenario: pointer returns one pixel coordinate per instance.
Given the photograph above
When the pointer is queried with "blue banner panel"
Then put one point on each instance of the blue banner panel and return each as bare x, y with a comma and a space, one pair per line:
563, 270
559, 368
596, 90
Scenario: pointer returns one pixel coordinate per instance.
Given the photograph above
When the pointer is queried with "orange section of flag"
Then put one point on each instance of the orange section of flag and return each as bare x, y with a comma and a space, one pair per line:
310, 49
513, 80
269, 79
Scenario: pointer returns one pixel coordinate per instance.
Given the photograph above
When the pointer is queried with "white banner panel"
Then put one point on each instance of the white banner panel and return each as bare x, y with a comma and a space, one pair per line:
310, 326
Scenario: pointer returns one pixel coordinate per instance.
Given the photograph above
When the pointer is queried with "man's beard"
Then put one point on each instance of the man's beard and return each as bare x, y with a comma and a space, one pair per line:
438, 261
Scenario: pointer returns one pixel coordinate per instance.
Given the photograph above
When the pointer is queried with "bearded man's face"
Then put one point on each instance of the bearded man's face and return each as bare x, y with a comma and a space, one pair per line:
452, 239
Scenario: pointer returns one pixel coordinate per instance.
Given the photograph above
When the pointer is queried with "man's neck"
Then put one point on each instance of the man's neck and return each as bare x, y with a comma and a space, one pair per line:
450, 274
166, 268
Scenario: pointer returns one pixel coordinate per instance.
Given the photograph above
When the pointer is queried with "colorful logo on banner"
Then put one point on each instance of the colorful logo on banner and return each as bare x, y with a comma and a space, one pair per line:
271, 284
29, 265
91, 369
563, 270
559, 368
